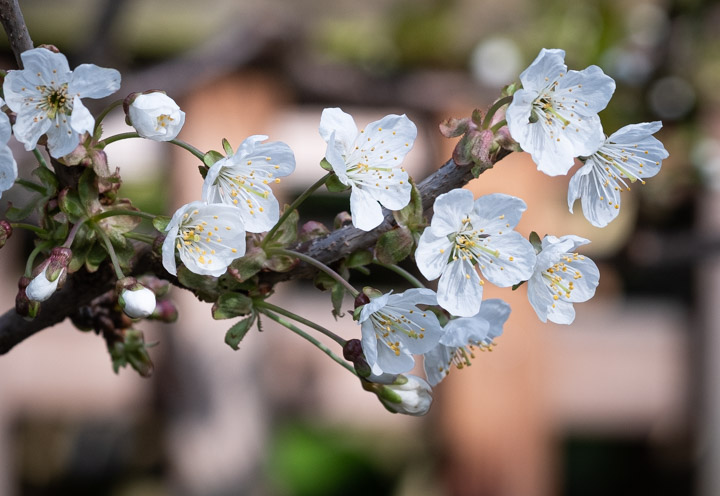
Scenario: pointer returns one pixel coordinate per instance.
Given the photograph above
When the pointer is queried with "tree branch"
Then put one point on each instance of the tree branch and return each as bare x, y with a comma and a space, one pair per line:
14, 24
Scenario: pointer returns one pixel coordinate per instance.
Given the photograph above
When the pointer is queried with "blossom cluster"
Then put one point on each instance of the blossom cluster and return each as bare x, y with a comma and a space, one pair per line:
233, 227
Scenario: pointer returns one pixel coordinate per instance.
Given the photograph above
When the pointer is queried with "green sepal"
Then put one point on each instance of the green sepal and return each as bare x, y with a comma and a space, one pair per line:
358, 258
395, 245
287, 232
280, 263
238, 331
412, 214
323, 281
536, 242
48, 179
203, 169
356, 312
334, 185
515, 286
204, 287
161, 222
226, 146
477, 117
511, 88
211, 157
230, 305
388, 394
477, 170
245, 267
326, 165
70, 204
336, 298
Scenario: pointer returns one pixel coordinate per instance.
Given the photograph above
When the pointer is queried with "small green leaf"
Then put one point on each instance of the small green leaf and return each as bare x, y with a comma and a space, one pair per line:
336, 297
326, 165
47, 177
477, 117
15, 214
287, 233
536, 242
358, 258
280, 263
95, 257
226, 146
323, 281
395, 245
231, 305
70, 204
334, 185
211, 157
161, 222
87, 188
238, 331
204, 287
80, 252
412, 214
245, 267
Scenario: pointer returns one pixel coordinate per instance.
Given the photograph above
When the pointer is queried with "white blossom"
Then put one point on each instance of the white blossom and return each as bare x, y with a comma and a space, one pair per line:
394, 328
156, 116
40, 288
8, 166
463, 336
561, 277
409, 395
554, 115
464, 235
137, 303
243, 180
46, 97
630, 154
369, 161
207, 236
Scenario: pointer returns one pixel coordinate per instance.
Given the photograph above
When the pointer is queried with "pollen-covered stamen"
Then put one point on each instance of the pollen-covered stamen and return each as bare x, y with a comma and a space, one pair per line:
390, 325
627, 163
54, 100
561, 275
163, 121
198, 237
236, 188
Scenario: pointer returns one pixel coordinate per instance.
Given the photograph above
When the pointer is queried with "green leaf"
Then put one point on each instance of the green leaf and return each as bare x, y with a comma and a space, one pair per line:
231, 305
323, 281
280, 263
80, 252
326, 165
336, 297
395, 245
238, 331
334, 185
15, 214
161, 222
211, 157
95, 257
204, 287
245, 267
70, 204
47, 177
358, 258
87, 188
536, 242
412, 214
477, 117
287, 233
226, 146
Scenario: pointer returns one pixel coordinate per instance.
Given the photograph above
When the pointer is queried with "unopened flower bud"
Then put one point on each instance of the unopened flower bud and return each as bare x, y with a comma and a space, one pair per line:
353, 352
165, 311
312, 230
23, 305
49, 275
154, 115
5, 232
409, 395
136, 300
342, 219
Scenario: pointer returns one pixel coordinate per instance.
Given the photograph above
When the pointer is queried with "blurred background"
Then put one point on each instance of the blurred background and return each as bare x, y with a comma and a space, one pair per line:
624, 401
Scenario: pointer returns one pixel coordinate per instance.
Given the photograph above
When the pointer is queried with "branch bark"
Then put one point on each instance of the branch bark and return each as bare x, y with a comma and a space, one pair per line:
14, 24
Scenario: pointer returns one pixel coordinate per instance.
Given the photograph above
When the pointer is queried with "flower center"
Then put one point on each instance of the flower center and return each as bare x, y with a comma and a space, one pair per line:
560, 276
199, 239
54, 100
390, 324
163, 121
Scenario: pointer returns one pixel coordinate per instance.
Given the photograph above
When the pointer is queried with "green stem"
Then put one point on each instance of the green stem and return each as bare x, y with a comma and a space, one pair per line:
145, 238
31, 259
302, 320
402, 272
308, 337
40, 158
188, 147
31, 185
117, 137
494, 108
120, 211
498, 125
111, 251
73, 232
289, 210
319, 265
104, 113
27, 227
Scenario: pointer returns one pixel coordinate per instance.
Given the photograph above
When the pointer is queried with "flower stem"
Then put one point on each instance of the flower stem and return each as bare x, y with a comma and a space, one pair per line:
111, 251
30, 185
294, 205
498, 125
402, 272
145, 238
308, 337
120, 211
104, 113
40, 158
188, 147
117, 137
302, 320
27, 227
494, 108
73, 232
315, 263
33, 255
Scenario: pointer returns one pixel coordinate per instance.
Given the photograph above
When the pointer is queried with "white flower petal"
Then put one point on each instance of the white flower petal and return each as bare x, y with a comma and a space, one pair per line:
91, 81
436, 363
513, 262
497, 212
460, 289
449, 210
549, 63
390, 363
365, 210
334, 120
432, 254
27, 129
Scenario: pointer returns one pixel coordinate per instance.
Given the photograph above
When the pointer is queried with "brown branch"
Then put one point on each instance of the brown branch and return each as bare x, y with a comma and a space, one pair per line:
14, 24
